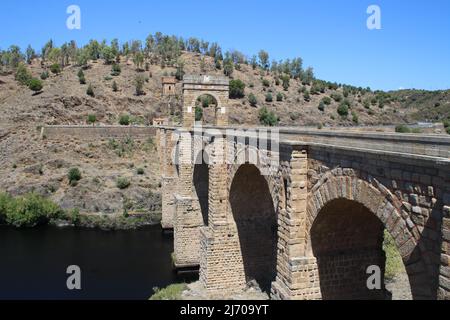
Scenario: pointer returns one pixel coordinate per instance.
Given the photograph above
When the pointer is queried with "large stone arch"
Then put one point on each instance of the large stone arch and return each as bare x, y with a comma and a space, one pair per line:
253, 218
387, 208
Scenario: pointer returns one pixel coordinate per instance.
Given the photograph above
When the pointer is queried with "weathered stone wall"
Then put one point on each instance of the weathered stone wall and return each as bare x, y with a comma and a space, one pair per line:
96, 132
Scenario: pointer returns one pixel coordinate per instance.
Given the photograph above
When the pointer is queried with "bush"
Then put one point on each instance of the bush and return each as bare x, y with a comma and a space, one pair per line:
394, 262
172, 292
279, 97
44, 75
402, 129
326, 100
139, 84
122, 183
74, 175
265, 83
91, 118
35, 85
81, 77
321, 106
29, 210
140, 171
307, 96
252, 100
267, 118
124, 120
116, 70
336, 97
23, 76
198, 114
269, 97
237, 89
55, 68
114, 87
90, 91
342, 110
355, 118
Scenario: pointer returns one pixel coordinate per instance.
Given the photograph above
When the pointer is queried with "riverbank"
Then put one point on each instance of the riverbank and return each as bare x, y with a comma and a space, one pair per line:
32, 210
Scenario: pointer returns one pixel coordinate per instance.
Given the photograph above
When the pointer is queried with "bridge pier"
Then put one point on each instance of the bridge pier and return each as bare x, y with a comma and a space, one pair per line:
167, 141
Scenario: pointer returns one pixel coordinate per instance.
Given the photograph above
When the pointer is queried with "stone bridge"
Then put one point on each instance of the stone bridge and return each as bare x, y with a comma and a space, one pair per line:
303, 212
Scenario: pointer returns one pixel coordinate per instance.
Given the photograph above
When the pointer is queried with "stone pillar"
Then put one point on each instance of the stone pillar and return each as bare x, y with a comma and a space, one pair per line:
297, 271
221, 267
189, 109
167, 143
222, 110
188, 217
444, 271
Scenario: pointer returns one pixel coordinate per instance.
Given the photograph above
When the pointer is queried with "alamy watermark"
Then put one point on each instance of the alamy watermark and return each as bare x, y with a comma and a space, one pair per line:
74, 280
73, 22
232, 146
374, 20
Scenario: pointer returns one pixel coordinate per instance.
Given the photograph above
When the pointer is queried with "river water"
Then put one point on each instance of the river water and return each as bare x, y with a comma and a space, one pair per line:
114, 265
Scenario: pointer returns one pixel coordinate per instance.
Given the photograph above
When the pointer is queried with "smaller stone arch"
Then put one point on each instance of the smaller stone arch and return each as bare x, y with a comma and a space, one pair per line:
196, 86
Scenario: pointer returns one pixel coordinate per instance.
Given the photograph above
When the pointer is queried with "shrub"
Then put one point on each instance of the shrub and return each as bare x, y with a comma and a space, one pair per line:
269, 97
326, 100
124, 120
267, 118
44, 75
343, 110
30, 210
139, 84
81, 77
355, 118
252, 100
74, 175
55, 68
321, 106
23, 76
91, 118
307, 96
394, 263
90, 91
114, 87
279, 97
172, 292
116, 70
122, 183
265, 83
140, 171
35, 85
336, 97
237, 89
402, 129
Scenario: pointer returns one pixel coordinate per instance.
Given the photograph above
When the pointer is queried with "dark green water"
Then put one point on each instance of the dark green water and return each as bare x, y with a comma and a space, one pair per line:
114, 265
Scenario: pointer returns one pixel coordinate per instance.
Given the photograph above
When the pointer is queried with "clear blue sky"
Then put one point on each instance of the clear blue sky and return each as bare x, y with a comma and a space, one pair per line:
412, 50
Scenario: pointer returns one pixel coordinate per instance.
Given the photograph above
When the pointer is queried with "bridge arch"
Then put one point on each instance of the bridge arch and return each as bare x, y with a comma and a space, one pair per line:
346, 216
254, 218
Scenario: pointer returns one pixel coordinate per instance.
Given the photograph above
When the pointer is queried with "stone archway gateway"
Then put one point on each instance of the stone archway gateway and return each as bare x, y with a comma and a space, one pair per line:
196, 86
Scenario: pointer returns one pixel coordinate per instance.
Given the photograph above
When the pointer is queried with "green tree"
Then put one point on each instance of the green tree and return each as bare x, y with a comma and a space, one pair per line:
138, 60
116, 70
31, 54
263, 59
81, 77
269, 97
108, 54
55, 68
198, 113
279, 97
268, 118
237, 89
343, 109
139, 84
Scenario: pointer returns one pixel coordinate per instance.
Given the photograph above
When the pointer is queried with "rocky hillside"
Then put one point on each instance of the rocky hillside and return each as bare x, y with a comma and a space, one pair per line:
28, 163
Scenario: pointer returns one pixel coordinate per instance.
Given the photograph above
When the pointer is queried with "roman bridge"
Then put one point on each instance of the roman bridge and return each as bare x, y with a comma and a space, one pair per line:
303, 212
